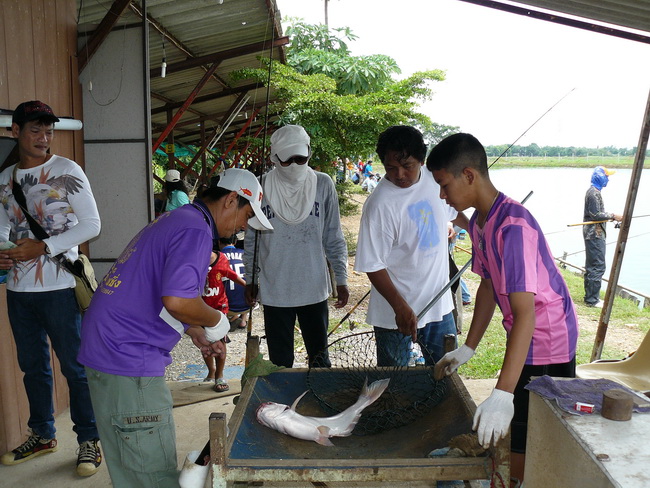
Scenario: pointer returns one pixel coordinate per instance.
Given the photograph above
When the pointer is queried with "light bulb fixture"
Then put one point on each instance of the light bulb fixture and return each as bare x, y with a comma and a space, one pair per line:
163, 66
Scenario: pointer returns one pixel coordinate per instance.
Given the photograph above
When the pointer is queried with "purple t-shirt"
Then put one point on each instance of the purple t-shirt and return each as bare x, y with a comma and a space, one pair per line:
511, 251
127, 331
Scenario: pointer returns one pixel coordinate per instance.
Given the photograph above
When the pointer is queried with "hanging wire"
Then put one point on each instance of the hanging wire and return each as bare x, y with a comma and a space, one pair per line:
261, 164
119, 90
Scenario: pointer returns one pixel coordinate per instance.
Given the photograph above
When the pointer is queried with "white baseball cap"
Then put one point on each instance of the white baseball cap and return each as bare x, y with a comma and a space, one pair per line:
245, 184
173, 176
290, 140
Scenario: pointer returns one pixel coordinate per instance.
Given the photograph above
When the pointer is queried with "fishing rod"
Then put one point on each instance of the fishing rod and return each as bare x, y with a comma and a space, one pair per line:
609, 243
349, 313
532, 125
603, 221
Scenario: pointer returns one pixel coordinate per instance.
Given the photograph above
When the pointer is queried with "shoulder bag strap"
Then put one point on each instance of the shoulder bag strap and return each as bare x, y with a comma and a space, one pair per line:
34, 226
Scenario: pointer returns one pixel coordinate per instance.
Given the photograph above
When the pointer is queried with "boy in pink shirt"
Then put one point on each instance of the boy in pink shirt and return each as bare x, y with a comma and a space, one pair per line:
519, 274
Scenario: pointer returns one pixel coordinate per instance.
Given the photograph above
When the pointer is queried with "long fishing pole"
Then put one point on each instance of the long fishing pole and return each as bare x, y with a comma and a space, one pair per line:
349, 313
531, 126
603, 221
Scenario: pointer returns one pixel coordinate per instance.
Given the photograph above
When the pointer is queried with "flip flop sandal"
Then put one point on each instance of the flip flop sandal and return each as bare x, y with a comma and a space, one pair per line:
220, 385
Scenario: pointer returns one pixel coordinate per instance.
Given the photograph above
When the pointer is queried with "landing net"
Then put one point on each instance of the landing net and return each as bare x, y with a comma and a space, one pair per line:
411, 393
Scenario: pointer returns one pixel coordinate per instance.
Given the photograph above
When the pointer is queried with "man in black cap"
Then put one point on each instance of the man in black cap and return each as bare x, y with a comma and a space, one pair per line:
40, 292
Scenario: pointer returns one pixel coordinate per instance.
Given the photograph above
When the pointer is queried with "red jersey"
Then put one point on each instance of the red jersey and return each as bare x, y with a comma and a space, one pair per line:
215, 291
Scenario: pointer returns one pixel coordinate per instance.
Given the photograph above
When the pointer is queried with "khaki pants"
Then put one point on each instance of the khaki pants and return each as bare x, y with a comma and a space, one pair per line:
136, 428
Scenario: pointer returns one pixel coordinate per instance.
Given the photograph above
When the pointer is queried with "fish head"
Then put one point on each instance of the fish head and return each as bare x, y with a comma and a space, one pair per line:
268, 412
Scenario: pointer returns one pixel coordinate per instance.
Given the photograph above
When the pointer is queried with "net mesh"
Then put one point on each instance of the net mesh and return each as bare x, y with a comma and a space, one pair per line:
411, 393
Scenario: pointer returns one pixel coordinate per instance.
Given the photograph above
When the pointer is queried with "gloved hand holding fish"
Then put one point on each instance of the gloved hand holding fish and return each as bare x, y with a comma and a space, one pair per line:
285, 419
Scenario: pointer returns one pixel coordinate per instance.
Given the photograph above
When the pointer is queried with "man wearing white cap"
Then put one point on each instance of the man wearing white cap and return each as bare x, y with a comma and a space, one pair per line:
147, 300
292, 259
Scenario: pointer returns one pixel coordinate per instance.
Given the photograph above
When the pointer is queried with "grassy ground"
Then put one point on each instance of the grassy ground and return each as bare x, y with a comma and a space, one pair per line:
626, 320
565, 162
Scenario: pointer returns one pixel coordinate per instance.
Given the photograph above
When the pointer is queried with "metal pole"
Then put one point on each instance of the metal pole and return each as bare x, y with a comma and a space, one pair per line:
622, 236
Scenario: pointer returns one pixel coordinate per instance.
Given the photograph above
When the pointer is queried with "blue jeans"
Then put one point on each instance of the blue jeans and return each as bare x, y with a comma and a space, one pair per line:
466, 296
393, 347
35, 316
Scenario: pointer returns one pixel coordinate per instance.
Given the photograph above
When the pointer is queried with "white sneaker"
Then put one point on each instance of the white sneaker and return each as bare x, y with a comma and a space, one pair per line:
599, 304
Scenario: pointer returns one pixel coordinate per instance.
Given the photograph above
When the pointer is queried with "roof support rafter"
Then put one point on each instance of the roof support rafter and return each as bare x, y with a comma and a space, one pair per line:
185, 106
101, 33
223, 55
207, 98
556, 18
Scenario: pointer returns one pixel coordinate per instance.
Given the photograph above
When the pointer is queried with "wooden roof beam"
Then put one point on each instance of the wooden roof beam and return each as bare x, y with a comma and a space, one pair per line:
206, 98
222, 55
101, 33
158, 26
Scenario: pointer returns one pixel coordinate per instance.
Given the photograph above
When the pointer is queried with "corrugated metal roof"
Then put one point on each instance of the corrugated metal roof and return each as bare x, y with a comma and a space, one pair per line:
632, 14
204, 27
195, 28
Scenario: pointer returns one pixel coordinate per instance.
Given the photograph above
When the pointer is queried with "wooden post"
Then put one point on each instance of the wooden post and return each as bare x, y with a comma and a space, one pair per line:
217, 426
252, 348
622, 236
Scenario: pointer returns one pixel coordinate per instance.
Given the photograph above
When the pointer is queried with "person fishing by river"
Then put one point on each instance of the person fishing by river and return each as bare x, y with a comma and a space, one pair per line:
594, 235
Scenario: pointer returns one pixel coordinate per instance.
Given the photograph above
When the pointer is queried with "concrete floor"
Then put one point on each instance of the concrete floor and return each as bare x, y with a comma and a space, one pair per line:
57, 470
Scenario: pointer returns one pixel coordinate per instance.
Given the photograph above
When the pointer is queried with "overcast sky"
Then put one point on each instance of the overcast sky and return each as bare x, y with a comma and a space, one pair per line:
503, 70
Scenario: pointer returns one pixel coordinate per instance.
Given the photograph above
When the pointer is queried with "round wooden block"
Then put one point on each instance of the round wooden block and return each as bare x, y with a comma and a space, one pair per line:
617, 405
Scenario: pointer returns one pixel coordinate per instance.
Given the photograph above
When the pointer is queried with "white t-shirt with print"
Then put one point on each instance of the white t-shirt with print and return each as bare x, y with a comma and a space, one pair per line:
404, 230
59, 197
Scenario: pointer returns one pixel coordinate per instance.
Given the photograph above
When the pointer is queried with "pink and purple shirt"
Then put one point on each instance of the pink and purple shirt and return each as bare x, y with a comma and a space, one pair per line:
512, 252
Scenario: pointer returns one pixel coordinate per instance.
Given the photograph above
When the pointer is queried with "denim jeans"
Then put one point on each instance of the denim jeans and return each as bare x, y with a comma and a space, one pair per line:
35, 316
393, 347
466, 296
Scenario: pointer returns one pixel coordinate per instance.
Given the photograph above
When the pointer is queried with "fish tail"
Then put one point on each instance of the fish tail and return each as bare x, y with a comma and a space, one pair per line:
370, 393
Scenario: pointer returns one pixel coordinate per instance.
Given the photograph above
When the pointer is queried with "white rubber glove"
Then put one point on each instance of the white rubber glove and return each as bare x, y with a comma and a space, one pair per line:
493, 417
218, 331
451, 361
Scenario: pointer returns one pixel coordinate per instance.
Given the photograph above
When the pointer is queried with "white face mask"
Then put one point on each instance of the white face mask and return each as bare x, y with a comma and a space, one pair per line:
293, 174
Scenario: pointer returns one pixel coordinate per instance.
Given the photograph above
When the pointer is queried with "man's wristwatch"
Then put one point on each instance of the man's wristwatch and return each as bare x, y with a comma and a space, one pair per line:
47, 250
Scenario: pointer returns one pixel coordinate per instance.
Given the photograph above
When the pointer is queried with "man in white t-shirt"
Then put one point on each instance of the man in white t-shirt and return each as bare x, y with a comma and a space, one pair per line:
403, 248
40, 292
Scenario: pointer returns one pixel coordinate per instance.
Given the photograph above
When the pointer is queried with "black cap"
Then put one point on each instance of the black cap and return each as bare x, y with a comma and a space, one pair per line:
32, 110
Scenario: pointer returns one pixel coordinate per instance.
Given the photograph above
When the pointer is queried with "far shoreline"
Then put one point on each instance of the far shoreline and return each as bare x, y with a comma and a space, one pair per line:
563, 162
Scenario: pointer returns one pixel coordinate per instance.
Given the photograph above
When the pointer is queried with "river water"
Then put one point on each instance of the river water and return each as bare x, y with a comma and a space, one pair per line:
558, 200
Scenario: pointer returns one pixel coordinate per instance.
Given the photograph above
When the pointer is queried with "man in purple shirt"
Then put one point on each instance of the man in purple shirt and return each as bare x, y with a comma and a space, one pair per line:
519, 274
147, 300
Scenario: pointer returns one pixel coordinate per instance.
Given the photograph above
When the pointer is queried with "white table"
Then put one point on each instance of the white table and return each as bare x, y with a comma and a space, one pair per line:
585, 451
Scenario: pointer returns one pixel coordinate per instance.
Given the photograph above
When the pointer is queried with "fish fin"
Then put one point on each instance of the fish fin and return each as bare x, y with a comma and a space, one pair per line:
323, 438
374, 390
295, 403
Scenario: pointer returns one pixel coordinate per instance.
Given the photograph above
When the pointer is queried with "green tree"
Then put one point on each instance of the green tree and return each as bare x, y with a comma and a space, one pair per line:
343, 101
315, 49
